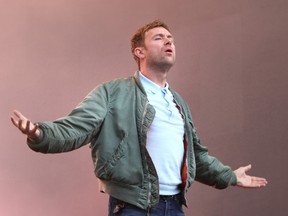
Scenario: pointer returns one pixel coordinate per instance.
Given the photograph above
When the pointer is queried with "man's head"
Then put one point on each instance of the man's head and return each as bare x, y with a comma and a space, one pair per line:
138, 39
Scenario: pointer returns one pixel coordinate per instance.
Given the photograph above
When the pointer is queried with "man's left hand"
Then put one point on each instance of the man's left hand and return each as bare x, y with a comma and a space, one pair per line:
246, 181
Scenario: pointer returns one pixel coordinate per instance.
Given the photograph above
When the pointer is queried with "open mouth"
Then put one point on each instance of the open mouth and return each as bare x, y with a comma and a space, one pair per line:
168, 51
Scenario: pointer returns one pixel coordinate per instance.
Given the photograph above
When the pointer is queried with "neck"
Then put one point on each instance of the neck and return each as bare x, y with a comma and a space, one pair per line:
157, 76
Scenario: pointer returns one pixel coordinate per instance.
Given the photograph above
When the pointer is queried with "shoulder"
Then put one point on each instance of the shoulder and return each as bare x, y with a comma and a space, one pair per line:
114, 88
119, 82
114, 84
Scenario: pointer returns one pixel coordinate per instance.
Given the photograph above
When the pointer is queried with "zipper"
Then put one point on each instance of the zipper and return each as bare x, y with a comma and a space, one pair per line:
149, 195
149, 183
144, 113
186, 148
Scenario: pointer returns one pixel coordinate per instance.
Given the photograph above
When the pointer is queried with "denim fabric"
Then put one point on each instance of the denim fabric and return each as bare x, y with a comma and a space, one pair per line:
166, 207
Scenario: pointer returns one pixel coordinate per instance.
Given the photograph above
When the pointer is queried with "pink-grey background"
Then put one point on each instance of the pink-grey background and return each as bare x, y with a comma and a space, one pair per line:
231, 68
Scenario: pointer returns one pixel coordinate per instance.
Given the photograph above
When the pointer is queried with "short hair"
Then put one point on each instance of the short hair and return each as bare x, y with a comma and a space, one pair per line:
138, 38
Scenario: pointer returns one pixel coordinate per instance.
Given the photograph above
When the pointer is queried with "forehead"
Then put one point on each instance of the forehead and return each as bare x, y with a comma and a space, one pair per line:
157, 31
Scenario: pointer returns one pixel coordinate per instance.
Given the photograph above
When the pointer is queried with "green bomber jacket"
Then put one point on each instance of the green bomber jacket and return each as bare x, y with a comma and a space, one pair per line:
114, 118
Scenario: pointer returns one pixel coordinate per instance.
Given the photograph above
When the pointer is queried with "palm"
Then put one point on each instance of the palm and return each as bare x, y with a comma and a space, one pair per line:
244, 180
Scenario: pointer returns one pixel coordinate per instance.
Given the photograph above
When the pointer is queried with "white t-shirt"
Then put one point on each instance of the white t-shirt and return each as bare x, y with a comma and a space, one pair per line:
165, 137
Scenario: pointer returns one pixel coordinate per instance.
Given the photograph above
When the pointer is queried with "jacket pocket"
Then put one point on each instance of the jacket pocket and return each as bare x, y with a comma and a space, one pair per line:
106, 171
122, 167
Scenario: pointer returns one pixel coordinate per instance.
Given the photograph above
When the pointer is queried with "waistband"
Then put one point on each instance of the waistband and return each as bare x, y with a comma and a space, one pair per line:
171, 197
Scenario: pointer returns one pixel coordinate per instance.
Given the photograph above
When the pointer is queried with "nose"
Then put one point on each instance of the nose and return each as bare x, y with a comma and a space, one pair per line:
168, 41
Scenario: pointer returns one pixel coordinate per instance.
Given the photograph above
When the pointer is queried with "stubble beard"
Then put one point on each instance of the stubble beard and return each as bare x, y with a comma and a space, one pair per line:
161, 65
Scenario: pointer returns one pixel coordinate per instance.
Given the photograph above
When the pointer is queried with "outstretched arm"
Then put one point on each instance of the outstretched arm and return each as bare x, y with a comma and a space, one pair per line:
25, 125
246, 181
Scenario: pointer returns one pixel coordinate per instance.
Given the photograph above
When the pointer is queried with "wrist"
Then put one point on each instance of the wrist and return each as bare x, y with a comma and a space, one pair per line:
35, 136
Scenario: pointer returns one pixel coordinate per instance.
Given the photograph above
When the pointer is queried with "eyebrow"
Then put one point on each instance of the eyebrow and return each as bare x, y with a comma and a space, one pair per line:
163, 35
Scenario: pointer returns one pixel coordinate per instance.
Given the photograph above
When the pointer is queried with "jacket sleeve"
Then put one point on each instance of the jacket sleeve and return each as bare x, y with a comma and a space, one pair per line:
76, 129
209, 170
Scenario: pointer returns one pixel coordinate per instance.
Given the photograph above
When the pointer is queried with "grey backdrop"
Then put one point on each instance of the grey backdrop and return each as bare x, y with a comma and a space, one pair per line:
231, 68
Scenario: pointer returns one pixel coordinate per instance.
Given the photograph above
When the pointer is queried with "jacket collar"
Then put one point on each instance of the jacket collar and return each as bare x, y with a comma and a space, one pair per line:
138, 82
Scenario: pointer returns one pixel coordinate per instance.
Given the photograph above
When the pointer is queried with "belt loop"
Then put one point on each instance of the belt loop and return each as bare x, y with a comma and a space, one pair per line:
148, 211
118, 207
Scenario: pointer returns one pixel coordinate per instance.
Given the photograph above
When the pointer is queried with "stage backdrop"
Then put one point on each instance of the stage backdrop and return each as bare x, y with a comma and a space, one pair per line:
231, 68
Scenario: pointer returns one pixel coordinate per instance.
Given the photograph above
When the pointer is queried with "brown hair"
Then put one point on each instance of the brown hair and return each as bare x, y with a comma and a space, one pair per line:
138, 38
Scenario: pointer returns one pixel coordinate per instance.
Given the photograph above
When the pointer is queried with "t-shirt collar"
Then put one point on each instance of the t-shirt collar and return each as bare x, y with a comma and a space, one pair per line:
151, 86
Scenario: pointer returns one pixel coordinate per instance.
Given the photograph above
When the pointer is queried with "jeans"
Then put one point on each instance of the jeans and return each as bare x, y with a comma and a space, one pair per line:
166, 207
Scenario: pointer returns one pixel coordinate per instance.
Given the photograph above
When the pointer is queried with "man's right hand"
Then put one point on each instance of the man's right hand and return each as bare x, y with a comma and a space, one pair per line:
25, 125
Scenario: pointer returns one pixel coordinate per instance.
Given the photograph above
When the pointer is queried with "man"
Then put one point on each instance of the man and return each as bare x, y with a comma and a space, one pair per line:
144, 144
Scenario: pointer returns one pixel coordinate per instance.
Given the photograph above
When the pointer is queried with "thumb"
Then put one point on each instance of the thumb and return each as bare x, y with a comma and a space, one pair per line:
247, 168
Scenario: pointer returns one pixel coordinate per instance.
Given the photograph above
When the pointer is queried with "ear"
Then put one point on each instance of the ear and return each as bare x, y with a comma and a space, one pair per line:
138, 51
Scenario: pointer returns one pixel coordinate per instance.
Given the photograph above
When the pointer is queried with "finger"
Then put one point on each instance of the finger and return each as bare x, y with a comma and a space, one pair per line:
20, 126
27, 127
259, 178
15, 123
24, 129
34, 129
19, 115
260, 182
